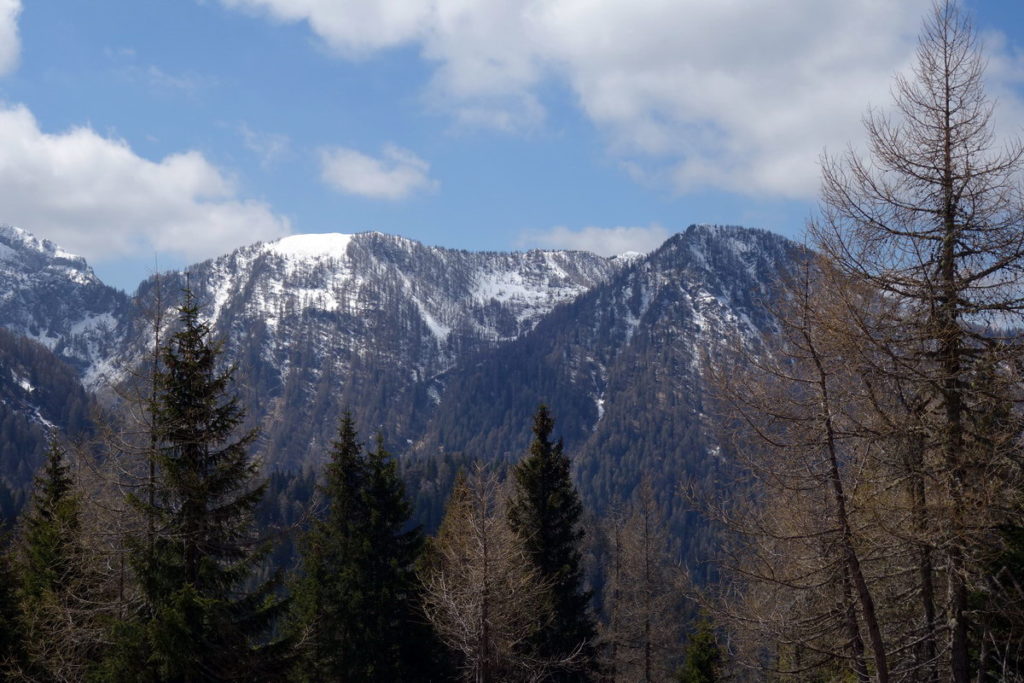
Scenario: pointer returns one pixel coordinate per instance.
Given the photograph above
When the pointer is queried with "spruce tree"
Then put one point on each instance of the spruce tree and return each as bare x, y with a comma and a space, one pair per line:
57, 589
50, 528
703, 661
545, 513
327, 584
356, 605
198, 619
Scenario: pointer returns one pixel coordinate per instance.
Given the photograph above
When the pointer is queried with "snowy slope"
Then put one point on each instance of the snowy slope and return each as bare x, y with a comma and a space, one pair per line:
368, 321
52, 296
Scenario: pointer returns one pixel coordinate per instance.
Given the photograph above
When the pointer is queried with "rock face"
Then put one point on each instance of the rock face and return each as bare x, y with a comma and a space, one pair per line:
448, 352
53, 297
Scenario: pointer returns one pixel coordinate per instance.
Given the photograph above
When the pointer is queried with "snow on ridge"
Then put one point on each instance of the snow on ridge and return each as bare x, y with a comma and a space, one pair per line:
628, 257
26, 239
313, 245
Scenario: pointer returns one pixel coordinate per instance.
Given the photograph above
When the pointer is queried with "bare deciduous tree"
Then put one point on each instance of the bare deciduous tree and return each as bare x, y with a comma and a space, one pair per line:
645, 603
883, 435
481, 593
933, 219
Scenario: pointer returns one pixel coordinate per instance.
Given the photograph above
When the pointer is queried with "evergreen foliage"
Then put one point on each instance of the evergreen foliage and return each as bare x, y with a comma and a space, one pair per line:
50, 528
545, 513
198, 619
703, 657
356, 609
58, 592
12, 645
35, 383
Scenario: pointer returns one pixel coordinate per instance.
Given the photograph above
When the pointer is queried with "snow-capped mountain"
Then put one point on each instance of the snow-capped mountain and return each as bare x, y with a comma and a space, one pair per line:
38, 395
622, 368
52, 296
446, 351
318, 323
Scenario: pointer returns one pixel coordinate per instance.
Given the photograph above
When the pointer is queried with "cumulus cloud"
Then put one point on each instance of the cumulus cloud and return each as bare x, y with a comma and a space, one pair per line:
602, 241
740, 95
10, 45
94, 196
397, 174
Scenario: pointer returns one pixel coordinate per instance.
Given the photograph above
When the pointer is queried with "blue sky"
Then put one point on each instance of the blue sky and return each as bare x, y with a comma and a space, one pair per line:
137, 132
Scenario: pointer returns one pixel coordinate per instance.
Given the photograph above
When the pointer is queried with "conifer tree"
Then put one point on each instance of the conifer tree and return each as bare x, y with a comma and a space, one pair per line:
197, 620
327, 583
545, 513
356, 605
931, 219
703, 657
56, 586
644, 603
50, 528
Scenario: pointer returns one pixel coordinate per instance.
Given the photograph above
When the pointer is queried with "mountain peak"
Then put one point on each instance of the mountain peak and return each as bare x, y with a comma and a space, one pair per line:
314, 245
17, 239
27, 253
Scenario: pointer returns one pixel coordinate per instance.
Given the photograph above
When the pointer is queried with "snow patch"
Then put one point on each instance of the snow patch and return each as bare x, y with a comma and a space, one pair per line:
440, 331
94, 322
23, 382
627, 257
312, 246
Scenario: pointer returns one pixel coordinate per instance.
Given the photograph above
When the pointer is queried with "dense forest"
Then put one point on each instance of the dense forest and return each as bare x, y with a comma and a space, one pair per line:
868, 522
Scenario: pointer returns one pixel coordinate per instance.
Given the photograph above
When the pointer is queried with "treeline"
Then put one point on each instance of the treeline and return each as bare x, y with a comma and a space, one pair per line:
141, 560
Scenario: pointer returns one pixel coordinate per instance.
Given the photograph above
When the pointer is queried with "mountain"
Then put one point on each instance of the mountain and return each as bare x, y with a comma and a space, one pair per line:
448, 352
622, 368
317, 323
53, 297
39, 394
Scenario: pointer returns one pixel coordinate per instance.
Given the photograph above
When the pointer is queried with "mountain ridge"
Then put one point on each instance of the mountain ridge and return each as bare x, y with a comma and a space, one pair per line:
447, 352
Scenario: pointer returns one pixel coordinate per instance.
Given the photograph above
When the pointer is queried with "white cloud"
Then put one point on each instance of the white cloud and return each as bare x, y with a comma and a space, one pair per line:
10, 45
741, 95
397, 174
94, 196
602, 241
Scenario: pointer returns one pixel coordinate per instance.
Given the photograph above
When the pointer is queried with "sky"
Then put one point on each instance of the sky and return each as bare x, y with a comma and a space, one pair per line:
150, 134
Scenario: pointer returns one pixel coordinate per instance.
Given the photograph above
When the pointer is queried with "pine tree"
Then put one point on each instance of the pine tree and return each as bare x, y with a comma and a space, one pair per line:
57, 589
545, 513
703, 657
50, 528
356, 606
198, 621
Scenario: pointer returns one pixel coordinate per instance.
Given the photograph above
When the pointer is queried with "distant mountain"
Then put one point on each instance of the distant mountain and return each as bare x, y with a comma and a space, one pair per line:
448, 352
39, 395
621, 366
53, 296
316, 323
